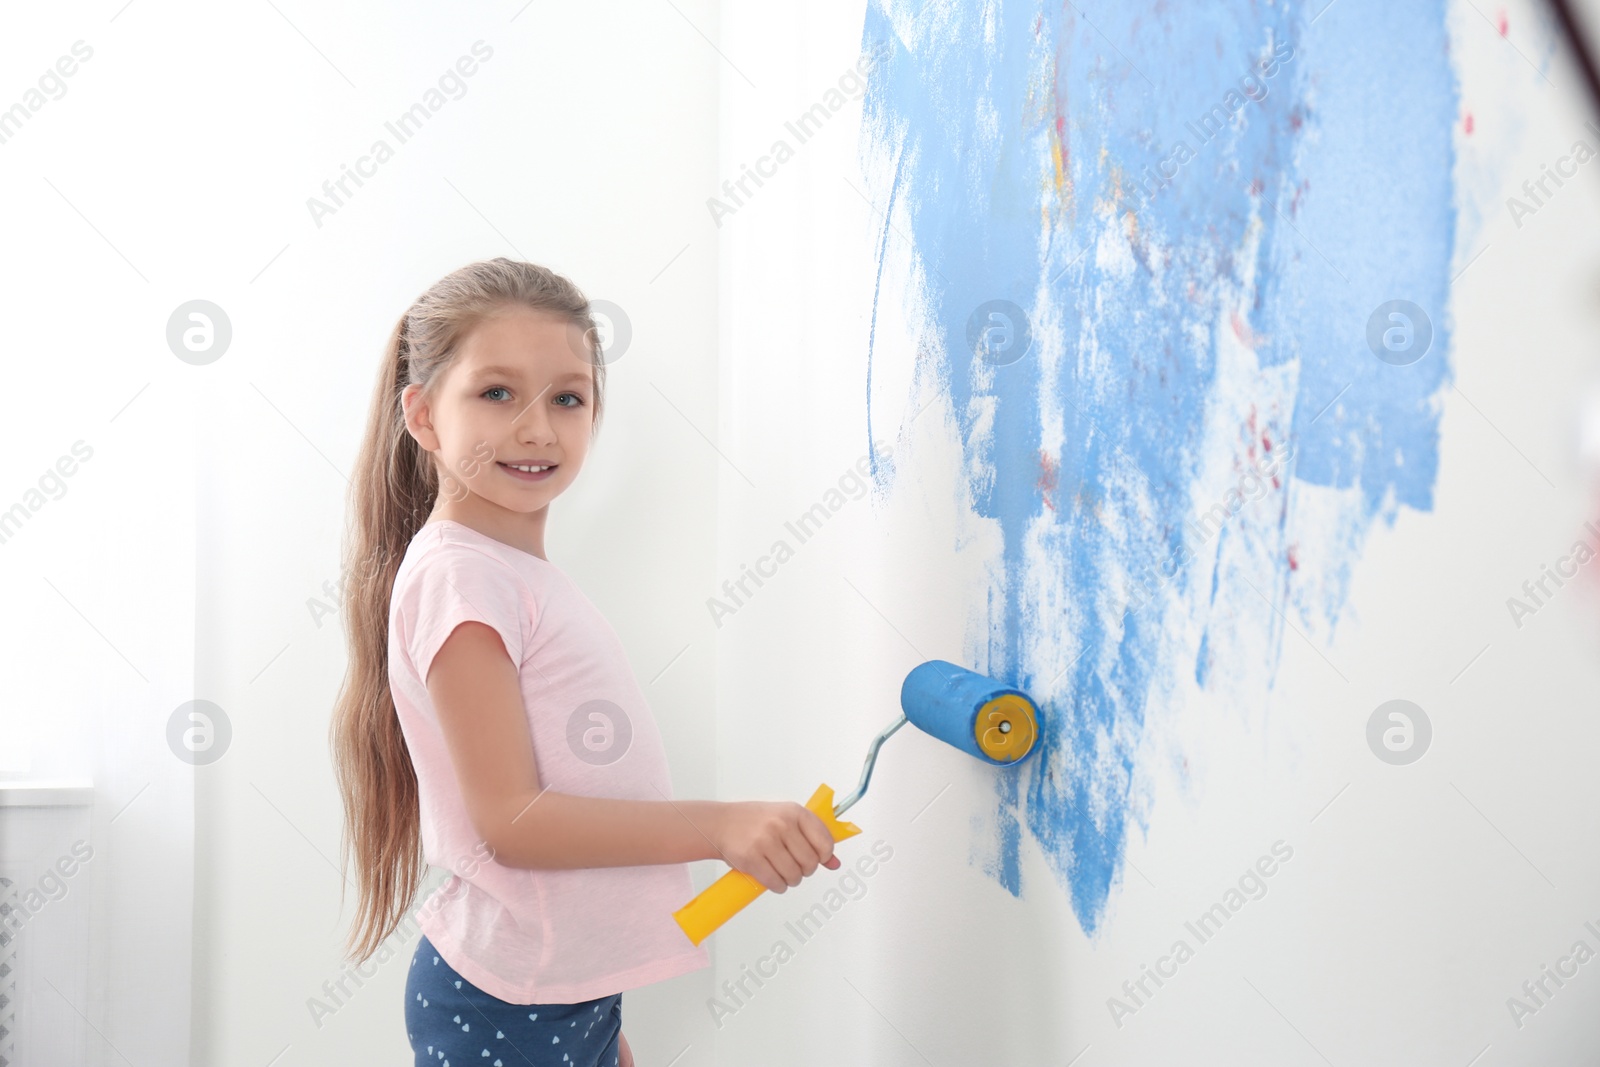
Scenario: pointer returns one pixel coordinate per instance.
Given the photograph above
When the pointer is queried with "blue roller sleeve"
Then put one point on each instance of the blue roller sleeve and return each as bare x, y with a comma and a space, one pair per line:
943, 699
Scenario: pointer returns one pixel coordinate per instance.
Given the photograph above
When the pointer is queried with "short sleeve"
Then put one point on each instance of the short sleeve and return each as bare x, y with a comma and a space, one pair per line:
457, 583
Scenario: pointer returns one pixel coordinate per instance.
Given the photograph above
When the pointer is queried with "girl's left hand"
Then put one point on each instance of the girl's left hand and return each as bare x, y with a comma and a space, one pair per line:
624, 1053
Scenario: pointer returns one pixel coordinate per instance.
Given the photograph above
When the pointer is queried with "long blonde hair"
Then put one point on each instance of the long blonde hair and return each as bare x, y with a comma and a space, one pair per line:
391, 496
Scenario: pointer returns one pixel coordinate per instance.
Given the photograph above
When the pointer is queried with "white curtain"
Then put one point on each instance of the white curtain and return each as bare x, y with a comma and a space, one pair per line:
97, 577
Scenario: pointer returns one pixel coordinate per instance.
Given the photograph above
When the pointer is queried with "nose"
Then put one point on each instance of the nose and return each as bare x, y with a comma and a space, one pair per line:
533, 423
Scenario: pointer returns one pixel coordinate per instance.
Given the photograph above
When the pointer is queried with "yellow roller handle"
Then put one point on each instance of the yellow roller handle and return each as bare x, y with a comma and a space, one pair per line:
722, 899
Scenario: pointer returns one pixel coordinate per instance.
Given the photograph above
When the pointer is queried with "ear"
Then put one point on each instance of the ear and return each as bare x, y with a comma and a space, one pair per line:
419, 417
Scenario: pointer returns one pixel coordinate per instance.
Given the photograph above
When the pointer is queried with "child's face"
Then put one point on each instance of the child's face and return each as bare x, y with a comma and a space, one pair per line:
521, 391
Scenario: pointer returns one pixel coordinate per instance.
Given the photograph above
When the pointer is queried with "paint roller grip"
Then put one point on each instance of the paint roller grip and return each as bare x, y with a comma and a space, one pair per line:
778, 843
723, 899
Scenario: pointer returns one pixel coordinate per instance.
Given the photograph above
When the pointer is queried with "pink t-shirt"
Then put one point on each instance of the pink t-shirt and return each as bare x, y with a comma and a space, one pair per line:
535, 936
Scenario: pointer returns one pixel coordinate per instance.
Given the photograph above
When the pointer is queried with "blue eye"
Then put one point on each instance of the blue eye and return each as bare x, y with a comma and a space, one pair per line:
574, 396
496, 389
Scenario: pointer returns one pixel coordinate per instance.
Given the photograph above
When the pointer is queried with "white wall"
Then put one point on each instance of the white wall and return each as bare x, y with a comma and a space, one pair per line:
1414, 905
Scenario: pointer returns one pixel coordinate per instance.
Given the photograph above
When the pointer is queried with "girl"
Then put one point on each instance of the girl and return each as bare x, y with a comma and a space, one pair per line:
489, 722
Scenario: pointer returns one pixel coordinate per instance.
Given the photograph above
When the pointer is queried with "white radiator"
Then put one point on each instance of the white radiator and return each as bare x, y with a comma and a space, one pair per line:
48, 868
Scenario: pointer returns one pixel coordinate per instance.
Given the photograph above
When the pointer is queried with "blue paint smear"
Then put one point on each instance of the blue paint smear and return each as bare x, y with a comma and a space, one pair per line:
1343, 158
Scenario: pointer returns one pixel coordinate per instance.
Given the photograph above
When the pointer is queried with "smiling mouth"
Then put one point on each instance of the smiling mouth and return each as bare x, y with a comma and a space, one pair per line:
528, 475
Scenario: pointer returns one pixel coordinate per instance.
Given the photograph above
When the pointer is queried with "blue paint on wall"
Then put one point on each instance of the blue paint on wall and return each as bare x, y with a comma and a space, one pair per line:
1159, 189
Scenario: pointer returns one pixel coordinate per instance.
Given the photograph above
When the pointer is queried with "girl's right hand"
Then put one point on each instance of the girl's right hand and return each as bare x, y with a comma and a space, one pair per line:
775, 842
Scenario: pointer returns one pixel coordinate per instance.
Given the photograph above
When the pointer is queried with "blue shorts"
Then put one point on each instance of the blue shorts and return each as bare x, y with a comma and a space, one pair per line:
451, 1021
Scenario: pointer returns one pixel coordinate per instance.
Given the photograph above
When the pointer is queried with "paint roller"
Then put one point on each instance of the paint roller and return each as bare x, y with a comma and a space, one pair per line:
983, 718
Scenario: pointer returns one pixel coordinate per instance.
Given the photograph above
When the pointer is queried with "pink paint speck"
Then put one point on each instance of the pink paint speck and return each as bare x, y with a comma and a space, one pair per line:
1241, 330
1503, 24
1466, 124
1048, 473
